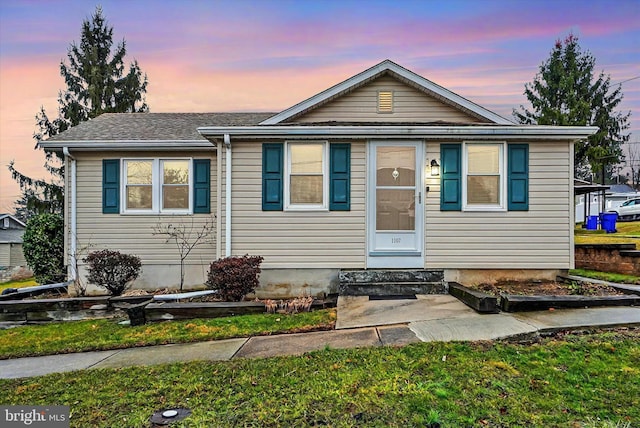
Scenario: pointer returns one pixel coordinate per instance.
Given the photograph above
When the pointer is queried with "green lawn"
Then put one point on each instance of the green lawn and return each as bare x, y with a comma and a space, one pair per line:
29, 282
606, 276
627, 232
569, 381
102, 334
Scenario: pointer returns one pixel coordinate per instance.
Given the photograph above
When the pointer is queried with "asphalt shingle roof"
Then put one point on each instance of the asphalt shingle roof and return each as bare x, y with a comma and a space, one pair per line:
154, 126
621, 188
11, 236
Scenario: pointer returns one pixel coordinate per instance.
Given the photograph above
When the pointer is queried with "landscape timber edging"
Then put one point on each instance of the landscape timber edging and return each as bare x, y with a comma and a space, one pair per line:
182, 311
518, 303
165, 311
66, 309
477, 300
78, 308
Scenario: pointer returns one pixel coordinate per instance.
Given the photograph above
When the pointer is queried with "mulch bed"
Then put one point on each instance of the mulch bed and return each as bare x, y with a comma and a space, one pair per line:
547, 288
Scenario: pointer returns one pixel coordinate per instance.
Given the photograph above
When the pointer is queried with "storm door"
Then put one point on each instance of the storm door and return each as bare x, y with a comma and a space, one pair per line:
395, 205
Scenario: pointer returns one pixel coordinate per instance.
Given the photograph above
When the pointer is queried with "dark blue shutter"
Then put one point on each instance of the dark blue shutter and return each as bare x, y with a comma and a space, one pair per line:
518, 177
201, 186
451, 177
272, 176
340, 177
111, 186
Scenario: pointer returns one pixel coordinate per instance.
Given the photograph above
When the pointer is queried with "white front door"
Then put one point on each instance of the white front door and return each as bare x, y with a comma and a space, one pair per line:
395, 205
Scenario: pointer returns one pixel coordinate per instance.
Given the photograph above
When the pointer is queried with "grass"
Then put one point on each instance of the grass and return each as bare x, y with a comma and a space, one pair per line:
627, 233
606, 276
93, 335
29, 282
569, 381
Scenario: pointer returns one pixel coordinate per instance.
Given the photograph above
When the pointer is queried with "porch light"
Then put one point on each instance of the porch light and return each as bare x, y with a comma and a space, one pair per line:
435, 168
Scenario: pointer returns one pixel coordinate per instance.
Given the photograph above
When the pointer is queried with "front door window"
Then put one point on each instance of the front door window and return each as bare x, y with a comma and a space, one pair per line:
395, 188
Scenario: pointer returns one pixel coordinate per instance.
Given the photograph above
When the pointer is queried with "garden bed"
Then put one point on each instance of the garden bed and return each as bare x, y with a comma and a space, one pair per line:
547, 288
207, 309
64, 309
136, 304
515, 296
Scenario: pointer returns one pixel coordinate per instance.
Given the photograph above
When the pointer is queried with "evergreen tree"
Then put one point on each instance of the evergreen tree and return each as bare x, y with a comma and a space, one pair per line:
566, 92
96, 83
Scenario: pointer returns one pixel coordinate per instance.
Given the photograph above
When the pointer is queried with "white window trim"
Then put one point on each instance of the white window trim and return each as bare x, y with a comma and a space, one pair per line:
502, 205
288, 206
156, 187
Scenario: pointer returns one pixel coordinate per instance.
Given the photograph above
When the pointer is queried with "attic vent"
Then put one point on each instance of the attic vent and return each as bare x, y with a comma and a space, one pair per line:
5, 223
385, 101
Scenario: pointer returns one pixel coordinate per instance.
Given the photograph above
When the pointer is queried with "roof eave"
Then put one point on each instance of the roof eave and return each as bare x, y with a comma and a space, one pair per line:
95, 145
572, 133
20, 222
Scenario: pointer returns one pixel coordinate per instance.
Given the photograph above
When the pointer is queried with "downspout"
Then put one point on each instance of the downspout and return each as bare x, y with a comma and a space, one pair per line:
73, 216
218, 200
227, 144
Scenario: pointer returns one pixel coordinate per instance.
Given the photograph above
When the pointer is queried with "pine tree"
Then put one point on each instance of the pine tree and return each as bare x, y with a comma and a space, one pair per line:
566, 92
96, 84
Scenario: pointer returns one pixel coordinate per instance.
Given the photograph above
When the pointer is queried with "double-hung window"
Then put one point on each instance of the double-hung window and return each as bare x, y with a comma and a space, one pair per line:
306, 176
157, 186
484, 181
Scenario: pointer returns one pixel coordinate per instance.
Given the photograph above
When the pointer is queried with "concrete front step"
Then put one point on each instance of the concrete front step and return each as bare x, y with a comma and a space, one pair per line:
389, 282
392, 288
368, 276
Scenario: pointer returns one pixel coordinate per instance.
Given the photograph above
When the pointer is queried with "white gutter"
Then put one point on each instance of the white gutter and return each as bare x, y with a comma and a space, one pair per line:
73, 215
426, 132
94, 145
227, 143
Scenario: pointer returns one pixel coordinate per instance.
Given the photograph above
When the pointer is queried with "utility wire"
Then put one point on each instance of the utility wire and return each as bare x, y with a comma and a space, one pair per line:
628, 80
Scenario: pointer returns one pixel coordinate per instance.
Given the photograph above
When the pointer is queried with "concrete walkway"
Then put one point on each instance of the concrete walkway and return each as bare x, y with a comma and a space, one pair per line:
441, 320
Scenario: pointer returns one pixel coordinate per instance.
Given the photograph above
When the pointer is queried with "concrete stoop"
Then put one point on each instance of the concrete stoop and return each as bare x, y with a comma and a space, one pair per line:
391, 282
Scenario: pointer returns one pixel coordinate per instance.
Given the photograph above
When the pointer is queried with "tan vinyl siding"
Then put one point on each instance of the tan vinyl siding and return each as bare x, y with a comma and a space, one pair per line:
5, 255
129, 233
16, 256
536, 239
286, 239
409, 105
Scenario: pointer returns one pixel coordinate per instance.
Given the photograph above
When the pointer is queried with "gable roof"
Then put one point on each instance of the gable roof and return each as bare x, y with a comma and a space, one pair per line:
11, 236
622, 188
401, 73
20, 223
153, 126
162, 129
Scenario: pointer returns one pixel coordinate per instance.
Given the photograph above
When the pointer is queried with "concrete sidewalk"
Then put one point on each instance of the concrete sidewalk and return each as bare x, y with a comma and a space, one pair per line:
456, 324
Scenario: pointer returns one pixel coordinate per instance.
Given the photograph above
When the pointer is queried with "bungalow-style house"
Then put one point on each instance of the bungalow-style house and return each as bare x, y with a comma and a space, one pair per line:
11, 231
385, 170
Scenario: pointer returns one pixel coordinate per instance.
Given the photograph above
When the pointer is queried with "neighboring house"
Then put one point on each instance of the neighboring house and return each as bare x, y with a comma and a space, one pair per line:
384, 170
11, 231
614, 196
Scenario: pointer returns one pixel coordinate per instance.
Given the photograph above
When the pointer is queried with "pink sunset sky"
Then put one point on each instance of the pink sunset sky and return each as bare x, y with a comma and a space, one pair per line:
211, 56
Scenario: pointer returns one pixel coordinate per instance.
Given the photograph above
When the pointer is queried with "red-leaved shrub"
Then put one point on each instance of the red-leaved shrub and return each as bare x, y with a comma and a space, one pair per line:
234, 277
112, 270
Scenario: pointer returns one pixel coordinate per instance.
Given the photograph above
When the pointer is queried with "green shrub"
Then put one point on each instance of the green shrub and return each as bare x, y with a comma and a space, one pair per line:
112, 270
234, 277
43, 248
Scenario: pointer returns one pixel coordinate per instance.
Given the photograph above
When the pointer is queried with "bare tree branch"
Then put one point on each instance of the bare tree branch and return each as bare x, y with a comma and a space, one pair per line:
186, 237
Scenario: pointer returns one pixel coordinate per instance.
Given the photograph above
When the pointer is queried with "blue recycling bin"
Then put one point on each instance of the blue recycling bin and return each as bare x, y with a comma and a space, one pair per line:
592, 222
608, 222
